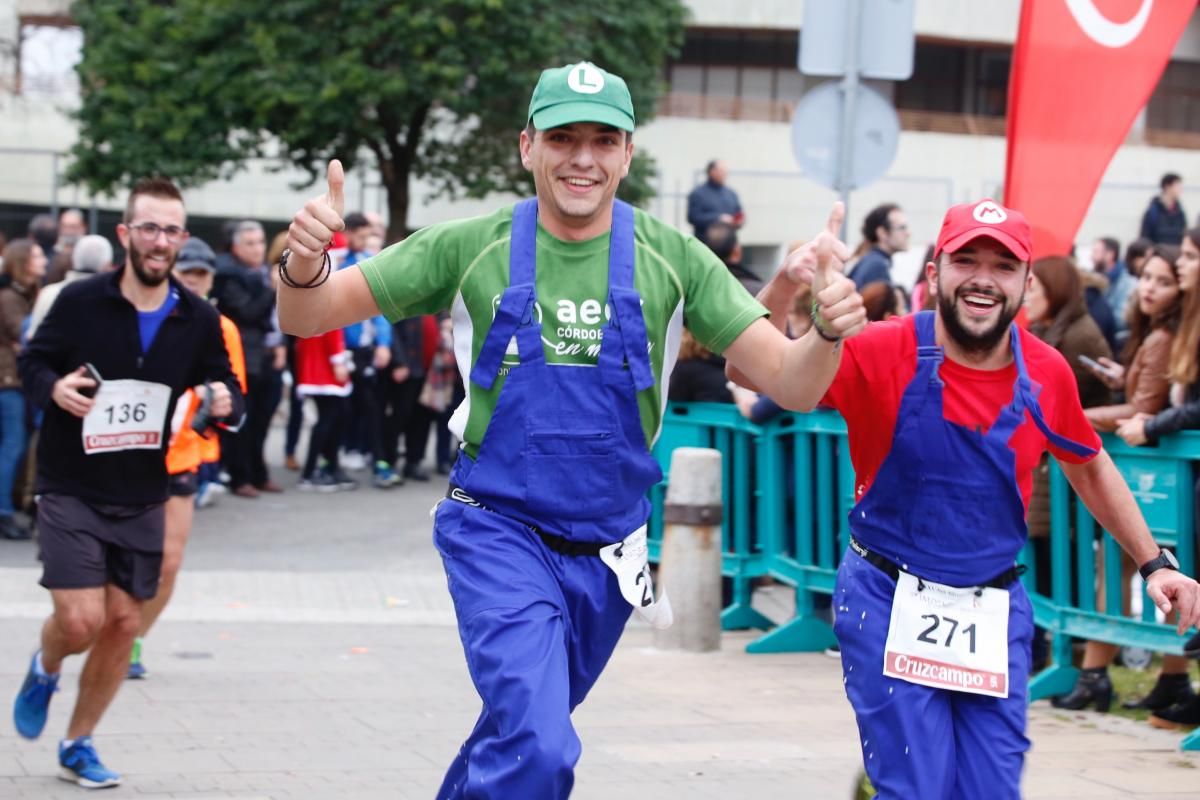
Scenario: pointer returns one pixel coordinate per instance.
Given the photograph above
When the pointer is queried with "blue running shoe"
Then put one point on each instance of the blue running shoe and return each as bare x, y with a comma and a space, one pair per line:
33, 701
81, 765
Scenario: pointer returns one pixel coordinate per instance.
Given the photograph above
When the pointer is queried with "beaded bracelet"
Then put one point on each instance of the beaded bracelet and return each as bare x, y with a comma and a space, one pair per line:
319, 278
815, 315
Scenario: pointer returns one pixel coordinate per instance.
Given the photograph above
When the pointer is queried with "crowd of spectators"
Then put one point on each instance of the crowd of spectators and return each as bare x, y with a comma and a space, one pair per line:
380, 391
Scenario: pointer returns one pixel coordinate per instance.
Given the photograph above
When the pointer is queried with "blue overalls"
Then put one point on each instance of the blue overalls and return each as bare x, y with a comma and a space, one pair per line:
946, 507
564, 462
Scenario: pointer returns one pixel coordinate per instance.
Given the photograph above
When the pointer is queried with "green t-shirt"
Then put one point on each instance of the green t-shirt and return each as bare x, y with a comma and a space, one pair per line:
463, 266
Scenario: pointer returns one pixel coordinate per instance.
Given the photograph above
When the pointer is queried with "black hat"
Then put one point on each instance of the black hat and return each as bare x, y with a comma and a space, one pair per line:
196, 254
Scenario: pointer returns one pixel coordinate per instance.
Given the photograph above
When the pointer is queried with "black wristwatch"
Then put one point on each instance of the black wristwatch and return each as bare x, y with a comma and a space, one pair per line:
1165, 560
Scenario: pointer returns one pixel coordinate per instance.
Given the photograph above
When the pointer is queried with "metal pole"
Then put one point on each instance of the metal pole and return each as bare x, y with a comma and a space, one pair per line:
362, 186
849, 97
678, 194
54, 186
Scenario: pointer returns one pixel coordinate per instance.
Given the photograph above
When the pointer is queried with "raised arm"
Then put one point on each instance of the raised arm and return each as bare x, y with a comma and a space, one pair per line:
343, 299
796, 373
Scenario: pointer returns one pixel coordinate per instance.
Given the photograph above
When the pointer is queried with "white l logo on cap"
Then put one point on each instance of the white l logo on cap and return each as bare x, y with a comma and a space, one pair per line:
585, 79
989, 213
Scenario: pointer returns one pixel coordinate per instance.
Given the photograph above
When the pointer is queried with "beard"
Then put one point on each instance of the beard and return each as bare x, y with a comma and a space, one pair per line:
145, 277
976, 343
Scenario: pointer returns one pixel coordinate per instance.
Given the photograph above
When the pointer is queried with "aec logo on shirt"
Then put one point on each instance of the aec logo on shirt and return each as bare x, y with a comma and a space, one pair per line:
575, 335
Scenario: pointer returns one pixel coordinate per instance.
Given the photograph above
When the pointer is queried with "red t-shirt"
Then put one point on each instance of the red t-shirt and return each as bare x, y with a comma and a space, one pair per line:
879, 363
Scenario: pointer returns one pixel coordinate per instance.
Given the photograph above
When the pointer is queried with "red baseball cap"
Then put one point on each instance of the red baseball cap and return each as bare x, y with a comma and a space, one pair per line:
986, 218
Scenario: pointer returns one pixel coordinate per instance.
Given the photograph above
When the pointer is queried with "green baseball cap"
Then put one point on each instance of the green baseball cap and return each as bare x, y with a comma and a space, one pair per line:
580, 93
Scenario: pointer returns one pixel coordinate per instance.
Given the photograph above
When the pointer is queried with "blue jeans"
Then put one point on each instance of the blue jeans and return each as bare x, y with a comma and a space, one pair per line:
12, 444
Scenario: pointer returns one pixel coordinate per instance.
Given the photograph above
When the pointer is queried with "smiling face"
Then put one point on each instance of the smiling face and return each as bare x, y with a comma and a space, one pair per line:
151, 259
980, 288
576, 169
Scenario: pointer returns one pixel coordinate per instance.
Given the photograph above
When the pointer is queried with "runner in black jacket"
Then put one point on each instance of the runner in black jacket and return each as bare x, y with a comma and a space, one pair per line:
101, 472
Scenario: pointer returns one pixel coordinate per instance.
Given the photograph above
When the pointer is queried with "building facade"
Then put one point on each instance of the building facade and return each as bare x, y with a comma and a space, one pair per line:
730, 95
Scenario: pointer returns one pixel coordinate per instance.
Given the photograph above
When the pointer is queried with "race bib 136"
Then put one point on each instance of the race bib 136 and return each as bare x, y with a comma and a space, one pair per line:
128, 415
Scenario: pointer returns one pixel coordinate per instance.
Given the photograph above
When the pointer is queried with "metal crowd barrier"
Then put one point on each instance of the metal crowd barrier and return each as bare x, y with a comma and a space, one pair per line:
788, 486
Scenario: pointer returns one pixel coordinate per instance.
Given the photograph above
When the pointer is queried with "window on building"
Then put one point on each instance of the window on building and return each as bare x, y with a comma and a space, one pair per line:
723, 74
939, 73
734, 74
990, 92
1174, 107
955, 88
47, 53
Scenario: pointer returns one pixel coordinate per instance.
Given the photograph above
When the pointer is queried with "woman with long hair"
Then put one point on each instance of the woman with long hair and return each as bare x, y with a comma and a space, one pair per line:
1184, 412
1153, 322
24, 269
1057, 314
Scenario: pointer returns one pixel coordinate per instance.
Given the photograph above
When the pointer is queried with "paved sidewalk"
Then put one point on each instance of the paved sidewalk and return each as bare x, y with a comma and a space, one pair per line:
249, 699
310, 653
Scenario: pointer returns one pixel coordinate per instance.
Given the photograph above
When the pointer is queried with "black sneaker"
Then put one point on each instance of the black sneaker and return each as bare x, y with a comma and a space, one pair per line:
342, 481
12, 530
318, 482
415, 472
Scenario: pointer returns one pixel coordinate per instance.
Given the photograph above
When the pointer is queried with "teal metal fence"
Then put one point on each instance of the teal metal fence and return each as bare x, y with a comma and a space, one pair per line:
788, 486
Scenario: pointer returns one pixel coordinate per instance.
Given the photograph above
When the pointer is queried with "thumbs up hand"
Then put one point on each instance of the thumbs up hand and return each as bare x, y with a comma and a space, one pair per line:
313, 226
839, 311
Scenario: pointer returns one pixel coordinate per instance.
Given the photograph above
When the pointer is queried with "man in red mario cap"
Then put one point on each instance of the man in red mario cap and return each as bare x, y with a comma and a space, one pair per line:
949, 412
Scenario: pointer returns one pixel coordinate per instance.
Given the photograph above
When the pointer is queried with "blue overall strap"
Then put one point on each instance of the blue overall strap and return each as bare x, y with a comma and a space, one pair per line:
927, 347
516, 304
626, 303
1024, 393
928, 350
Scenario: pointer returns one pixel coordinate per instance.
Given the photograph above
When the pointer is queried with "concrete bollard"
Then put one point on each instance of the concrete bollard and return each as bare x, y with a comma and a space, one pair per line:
690, 569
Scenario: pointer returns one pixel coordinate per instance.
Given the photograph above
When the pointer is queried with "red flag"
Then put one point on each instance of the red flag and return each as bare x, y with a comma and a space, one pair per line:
1081, 72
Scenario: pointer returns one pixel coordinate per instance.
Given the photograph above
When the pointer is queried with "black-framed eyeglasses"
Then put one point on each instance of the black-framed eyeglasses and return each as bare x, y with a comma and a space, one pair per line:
149, 231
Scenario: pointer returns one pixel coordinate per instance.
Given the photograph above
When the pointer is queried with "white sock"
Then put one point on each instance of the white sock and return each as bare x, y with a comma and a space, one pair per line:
40, 668
66, 743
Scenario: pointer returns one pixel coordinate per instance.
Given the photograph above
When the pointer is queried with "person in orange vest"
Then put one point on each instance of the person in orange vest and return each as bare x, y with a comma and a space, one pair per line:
188, 448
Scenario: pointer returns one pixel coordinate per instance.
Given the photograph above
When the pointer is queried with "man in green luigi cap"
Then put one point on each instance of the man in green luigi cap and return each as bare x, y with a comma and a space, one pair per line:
567, 311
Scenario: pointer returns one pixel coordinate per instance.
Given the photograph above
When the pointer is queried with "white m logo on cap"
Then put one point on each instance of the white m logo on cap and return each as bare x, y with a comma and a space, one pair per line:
989, 213
585, 79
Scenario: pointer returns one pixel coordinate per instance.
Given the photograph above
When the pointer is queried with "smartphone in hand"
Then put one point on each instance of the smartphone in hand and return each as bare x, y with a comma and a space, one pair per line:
90, 371
1096, 366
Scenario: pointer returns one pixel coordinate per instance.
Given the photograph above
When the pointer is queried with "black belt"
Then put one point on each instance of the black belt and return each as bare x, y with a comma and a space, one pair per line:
888, 567
558, 544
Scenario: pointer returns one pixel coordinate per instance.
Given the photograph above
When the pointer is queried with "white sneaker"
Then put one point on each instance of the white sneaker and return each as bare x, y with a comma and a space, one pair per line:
205, 497
353, 460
